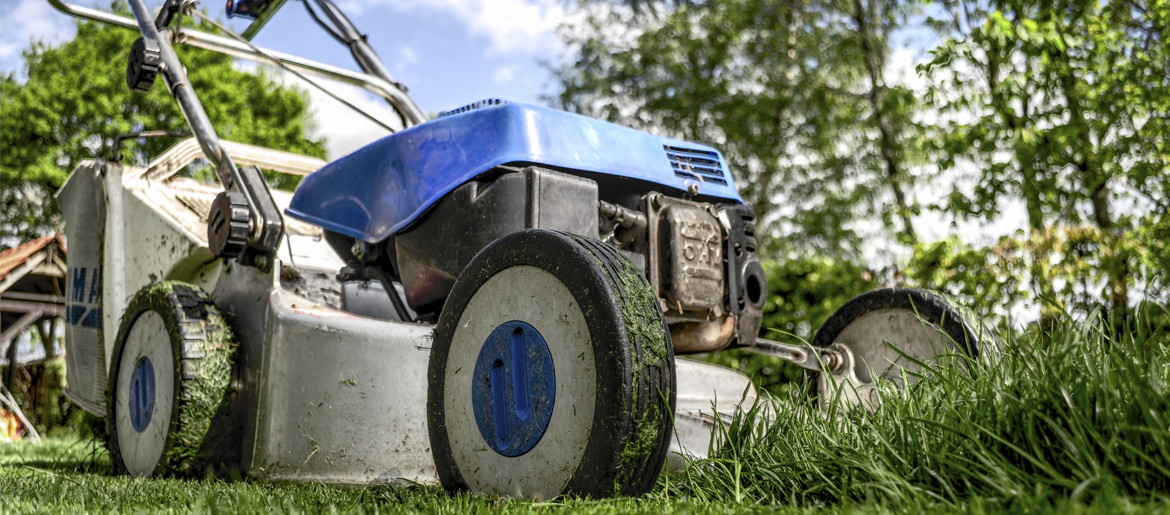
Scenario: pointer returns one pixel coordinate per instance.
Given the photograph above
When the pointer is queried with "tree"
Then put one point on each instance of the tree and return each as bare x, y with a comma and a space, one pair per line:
795, 96
792, 92
1063, 105
891, 107
75, 102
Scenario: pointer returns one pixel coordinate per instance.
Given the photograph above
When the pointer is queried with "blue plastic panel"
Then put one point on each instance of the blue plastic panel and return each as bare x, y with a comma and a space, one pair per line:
141, 394
513, 388
383, 187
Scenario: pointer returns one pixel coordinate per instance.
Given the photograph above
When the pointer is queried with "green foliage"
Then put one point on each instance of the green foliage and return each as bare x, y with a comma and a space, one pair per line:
1078, 266
1061, 105
75, 102
1153, 234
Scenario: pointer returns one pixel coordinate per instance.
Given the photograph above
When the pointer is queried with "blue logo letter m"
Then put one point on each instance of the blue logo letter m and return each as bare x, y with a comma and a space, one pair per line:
79, 285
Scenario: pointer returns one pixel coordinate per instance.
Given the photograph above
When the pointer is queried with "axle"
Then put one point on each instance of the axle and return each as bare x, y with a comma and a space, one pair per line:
805, 356
837, 385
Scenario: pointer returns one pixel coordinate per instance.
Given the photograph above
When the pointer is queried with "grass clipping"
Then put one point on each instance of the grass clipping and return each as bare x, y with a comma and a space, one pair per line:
204, 370
649, 358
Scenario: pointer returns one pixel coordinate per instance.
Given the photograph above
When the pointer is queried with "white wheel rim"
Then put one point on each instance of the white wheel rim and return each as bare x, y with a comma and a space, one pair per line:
147, 338
530, 295
867, 335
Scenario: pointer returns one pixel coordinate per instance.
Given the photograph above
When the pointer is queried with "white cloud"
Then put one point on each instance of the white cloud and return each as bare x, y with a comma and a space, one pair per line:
503, 75
408, 55
900, 69
26, 21
511, 26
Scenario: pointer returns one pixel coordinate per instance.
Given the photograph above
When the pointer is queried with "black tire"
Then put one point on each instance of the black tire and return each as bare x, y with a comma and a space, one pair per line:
180, 326
958, 333
629, 432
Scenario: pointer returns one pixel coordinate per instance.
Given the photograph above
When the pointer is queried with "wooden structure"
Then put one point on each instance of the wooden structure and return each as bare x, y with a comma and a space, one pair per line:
32, 294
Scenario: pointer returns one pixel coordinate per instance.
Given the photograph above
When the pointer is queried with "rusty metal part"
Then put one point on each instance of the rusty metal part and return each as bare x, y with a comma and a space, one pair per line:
686, 256
628, 223
696, 257
702, 336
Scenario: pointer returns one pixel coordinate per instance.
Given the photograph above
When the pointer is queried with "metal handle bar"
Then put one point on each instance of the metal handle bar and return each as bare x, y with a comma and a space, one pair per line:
176, 80
397, 98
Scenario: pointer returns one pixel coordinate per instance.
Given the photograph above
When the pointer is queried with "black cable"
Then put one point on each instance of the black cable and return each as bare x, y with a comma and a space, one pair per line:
286, 68
388, 285
117, 148
324, 25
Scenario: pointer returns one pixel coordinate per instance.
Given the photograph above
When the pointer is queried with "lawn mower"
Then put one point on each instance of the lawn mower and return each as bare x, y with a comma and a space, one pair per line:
492, 299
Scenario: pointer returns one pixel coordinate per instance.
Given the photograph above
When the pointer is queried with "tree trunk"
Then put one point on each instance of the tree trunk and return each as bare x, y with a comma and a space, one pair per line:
874, 63
1096, 187
1030, 190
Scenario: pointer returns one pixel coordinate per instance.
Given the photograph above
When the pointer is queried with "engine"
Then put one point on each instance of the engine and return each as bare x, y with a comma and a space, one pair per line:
418, 205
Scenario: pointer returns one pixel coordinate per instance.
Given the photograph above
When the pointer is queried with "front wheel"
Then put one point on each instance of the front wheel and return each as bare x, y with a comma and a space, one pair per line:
551, 373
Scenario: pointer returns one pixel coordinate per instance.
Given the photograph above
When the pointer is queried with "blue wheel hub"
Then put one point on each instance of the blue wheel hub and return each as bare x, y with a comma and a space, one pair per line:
514, 388
141, 394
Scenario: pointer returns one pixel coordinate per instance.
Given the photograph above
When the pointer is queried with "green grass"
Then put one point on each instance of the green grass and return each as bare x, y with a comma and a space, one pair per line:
1082, 427
1087, 419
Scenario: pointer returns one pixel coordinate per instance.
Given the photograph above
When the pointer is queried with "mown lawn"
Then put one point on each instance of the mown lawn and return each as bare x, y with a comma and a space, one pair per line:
1082, 426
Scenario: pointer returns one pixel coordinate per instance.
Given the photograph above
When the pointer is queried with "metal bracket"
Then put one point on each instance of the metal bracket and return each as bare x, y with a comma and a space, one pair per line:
837, 382
842, 391
804, 356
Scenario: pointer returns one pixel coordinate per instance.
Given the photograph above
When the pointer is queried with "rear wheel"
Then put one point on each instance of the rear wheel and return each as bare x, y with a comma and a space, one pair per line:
169, 378
552, 372
922, 325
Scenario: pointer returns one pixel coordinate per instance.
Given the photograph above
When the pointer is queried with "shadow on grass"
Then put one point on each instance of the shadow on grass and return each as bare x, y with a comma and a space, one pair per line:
77, 466
80, 456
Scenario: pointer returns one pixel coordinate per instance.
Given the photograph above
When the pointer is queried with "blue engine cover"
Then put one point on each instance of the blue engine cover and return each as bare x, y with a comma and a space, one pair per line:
380, 189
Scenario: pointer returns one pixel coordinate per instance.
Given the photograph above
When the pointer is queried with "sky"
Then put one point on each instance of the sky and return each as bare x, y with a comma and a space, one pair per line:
448, 53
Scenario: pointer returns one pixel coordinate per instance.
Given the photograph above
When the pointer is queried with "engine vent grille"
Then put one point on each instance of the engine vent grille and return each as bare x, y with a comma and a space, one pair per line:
692, 163
473, 106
